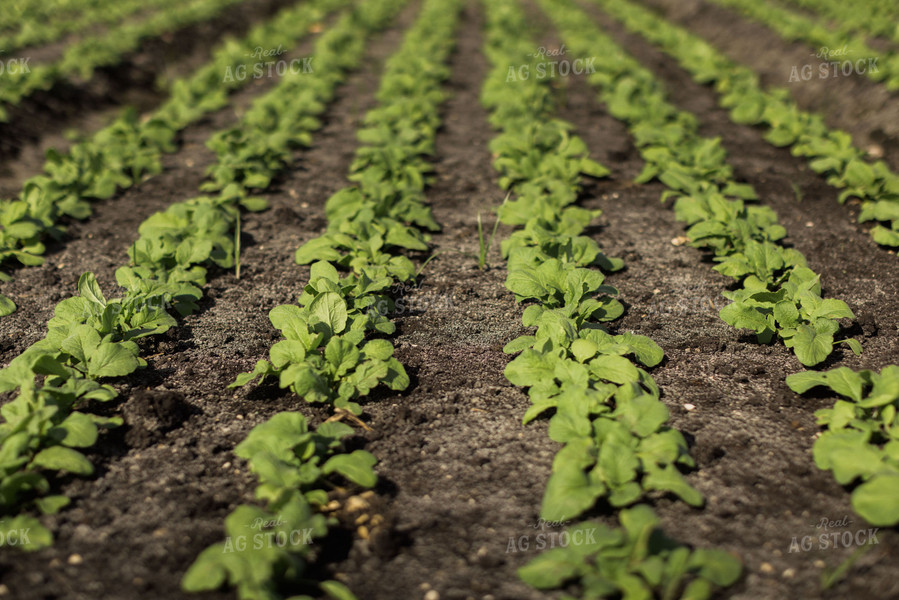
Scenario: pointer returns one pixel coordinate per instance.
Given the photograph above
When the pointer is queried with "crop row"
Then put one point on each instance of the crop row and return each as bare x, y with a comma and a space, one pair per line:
328, 354
91, 338
81, 59
793, 26
606, 408
877, 18
830, 153
31, 13
128, 150
779, 295
860, 442
37, 32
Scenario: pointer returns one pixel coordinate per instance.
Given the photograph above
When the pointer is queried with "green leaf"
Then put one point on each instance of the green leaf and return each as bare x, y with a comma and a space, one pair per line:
89, 288
81, 343
50, 505
7, 306
342, 355
616, 369
378, 349
58, 458
742, 316
337, 590
356, 467
583, 350
81, 432
284, 353
207, 572
786, 314
721, 568
568, 492
38, 536
669, 479
877, 500
112, 360
549, 570
331, 309
810, 346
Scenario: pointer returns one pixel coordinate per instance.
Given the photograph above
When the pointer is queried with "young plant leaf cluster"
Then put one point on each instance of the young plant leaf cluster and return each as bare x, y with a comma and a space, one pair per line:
794, 26
635, 561
122, 154
779, 294
296, 467
829, 152
861, 441
607, 411
325, 356
92, 338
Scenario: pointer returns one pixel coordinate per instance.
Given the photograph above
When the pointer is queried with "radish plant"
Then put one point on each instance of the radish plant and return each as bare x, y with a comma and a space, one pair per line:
861, 437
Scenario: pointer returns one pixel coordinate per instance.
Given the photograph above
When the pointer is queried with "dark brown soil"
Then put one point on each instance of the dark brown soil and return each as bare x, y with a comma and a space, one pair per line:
459, 474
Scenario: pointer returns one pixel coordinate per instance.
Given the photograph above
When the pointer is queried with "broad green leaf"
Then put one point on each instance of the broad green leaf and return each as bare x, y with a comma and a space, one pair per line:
356, 467
50, 505
877, 500
336, 590
37, 537
7, 306
549, 570
331, 309
112, 360
286, 352
59, 458
89, 288
80, 431
568, 493
810, 346
616, 369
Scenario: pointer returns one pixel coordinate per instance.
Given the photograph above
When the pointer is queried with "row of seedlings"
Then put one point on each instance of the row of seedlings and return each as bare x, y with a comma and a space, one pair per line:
876, 17
49, 30
91, 338
779, 296
829, 152
81, 60
781, 292
329, 353
793, 26
130, 149
606, 407
31, 13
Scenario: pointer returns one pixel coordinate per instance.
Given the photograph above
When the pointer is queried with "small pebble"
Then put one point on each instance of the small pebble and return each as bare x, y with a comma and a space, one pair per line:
75, 559
689, 406
766, 568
